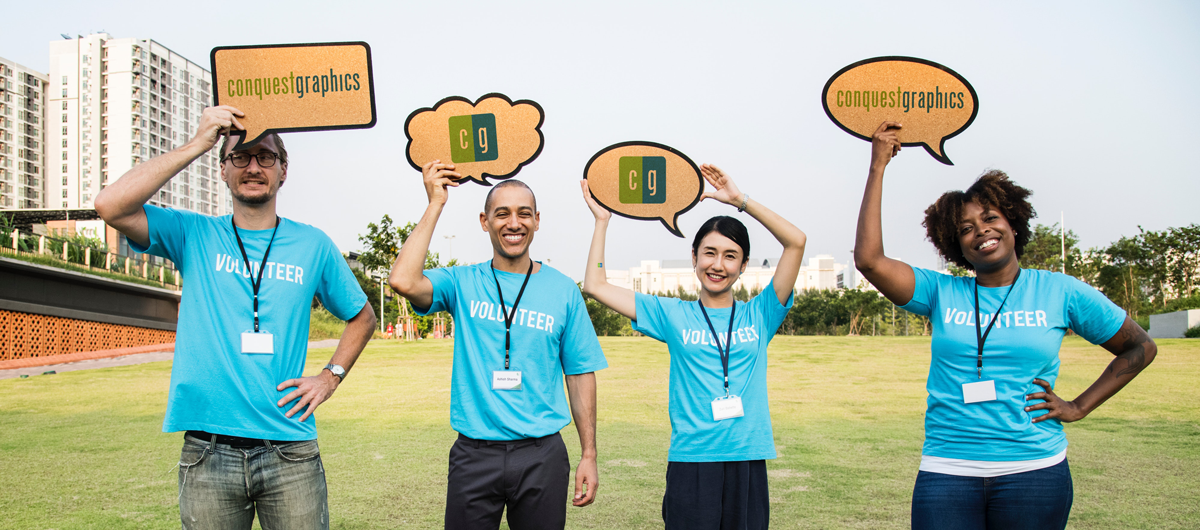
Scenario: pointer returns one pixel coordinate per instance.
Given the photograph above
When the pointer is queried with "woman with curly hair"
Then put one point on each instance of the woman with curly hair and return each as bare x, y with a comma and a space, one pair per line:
995, 455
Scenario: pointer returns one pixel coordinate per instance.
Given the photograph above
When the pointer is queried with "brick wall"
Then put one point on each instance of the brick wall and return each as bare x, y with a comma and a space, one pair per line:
25, 335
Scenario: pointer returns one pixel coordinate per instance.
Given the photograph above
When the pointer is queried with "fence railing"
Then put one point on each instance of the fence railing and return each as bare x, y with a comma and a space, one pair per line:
71, 255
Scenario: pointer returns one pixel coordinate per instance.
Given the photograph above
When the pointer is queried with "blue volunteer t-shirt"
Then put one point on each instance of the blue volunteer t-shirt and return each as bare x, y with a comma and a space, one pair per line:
697, 376
552, 335
1022, 345
215, 387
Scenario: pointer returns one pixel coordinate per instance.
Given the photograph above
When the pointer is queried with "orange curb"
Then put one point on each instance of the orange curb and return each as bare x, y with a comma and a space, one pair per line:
84, 356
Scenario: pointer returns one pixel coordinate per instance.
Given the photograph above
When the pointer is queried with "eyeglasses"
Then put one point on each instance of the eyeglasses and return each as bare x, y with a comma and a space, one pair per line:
265, 159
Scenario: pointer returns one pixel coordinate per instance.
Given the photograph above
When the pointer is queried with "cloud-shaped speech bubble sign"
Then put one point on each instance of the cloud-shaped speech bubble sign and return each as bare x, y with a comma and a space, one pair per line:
493, 137
295, 87
933, 102
646, 181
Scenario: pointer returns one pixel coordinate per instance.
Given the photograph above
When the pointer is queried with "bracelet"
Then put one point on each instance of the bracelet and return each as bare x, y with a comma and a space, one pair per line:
745, 197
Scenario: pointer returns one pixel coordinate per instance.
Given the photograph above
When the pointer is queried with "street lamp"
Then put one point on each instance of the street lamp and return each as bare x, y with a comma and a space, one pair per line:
450, 239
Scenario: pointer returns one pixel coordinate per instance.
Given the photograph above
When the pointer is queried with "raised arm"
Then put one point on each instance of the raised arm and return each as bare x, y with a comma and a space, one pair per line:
408, 273
595, 279
792, 238
120, 203
893, 278
1134, 351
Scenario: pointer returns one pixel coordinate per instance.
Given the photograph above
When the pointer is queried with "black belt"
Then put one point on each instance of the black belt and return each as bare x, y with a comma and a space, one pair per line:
520, 442
236, 441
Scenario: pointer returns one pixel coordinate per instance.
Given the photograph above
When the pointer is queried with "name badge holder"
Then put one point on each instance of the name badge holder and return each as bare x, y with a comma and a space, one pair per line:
256, 341
507, 379
981, 390
260, 342
728, 406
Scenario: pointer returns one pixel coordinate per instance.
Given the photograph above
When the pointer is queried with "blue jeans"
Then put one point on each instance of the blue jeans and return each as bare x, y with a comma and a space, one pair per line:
221, 487
1039, 499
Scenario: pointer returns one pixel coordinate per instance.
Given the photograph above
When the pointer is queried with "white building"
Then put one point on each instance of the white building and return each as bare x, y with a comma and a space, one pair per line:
22, 136
654, 276
114, 103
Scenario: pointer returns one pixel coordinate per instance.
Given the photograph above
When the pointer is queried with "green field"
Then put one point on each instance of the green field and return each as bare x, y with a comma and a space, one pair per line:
84, 449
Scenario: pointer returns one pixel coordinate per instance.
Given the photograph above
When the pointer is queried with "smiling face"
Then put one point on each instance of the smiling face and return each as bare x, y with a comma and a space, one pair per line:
719, 263
510, 221
986, 237
254, 184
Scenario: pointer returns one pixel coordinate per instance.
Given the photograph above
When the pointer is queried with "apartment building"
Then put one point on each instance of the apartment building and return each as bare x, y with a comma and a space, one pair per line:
114, 103
22, 136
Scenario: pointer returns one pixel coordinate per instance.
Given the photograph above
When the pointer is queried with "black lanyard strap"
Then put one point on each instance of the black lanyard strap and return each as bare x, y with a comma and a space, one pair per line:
717, 341
255, 284
981, 338
508, 316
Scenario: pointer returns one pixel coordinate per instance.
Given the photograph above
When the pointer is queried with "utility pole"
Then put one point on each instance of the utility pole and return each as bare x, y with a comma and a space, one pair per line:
382, 320
1062, 231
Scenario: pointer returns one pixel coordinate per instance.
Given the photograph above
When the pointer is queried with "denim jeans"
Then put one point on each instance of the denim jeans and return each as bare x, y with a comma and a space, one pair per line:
222, 487
1039, 499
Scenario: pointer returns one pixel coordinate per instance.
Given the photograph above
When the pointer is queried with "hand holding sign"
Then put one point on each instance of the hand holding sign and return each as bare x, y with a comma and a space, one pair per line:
493, 137
295, 87
933, 102
644, 180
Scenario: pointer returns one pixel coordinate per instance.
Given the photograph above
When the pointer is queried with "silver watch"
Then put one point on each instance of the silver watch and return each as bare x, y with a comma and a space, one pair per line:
337, 371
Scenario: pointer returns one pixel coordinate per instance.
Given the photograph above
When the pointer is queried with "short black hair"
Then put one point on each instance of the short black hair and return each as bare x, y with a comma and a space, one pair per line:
487, 202
728, 227
278, 144
991, 190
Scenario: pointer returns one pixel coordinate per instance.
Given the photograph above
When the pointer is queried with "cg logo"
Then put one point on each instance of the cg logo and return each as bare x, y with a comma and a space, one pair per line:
473, 138
643, 179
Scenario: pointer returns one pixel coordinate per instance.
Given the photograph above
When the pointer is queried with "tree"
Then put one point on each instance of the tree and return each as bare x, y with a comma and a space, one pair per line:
741, 294
1045, 250
382, 244
608, 323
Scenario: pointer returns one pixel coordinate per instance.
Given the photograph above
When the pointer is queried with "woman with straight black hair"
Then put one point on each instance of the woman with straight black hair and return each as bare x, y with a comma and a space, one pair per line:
995, 456
720, 422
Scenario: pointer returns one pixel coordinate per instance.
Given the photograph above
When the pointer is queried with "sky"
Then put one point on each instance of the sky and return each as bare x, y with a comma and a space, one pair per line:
1092, 105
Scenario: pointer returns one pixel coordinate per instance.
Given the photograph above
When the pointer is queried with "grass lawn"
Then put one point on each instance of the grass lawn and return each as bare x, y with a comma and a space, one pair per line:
84, 449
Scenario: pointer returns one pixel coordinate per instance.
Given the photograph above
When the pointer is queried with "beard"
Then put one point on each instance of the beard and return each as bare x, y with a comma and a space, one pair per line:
252, 200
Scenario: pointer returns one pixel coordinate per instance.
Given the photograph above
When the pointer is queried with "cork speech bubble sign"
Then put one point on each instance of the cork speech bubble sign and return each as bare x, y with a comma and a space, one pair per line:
645, 180
932, 102
295, 87
493, 137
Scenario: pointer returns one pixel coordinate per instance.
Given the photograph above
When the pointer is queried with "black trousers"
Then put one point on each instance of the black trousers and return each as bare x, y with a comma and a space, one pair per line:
528, 476
717, 496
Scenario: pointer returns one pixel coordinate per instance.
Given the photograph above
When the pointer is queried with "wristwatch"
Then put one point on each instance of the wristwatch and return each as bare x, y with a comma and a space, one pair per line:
337, 371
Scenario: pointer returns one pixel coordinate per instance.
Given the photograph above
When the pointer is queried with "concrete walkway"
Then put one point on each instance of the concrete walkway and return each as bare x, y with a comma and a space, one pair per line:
124, 360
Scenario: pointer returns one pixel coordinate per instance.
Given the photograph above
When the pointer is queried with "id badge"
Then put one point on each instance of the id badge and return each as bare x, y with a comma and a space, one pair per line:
727, 407
506, 380
977, 392
260, 343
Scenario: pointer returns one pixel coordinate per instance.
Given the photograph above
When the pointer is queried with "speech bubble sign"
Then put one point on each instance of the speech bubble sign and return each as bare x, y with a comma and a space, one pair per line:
933, 102
491, 138
295, 87
645, 181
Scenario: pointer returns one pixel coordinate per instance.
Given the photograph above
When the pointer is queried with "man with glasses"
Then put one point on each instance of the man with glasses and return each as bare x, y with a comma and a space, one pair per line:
241, 342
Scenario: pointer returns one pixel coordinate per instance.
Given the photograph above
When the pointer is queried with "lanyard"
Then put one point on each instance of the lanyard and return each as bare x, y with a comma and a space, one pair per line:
717, 340
255, 284
508, 317
982, 338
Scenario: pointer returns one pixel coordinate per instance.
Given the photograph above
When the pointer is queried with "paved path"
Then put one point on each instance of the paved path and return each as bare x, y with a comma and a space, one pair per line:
125, 360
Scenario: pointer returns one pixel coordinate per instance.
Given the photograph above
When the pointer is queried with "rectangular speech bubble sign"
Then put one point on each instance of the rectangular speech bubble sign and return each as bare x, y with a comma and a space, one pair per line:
295, 87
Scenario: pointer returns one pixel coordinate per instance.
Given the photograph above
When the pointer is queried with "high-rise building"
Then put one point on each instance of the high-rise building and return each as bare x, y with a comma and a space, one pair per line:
22, 136
114, 103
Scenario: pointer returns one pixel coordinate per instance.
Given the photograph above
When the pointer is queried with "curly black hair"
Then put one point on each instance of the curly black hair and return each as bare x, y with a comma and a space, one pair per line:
991, 190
